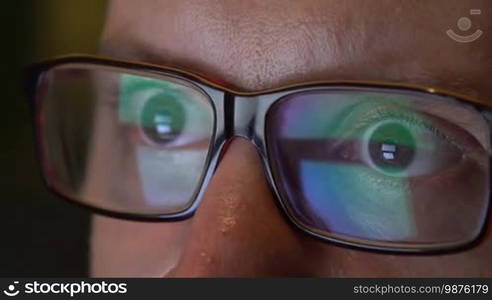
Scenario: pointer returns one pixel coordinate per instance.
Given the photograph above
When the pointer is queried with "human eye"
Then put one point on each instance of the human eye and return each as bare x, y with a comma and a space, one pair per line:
162, 114
407, 168
395, 140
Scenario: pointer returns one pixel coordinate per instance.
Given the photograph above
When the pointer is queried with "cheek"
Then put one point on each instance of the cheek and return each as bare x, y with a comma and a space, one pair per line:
336, 261
134, 249
340, 262
452, 205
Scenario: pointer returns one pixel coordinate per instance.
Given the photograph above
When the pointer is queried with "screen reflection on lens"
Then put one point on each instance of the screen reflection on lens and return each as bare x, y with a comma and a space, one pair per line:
125, 142
381, 165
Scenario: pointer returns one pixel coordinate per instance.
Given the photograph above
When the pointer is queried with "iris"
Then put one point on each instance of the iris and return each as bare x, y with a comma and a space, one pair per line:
162, 118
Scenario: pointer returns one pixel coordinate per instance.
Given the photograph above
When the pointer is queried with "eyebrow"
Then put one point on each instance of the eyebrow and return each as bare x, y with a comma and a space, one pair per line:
139, 52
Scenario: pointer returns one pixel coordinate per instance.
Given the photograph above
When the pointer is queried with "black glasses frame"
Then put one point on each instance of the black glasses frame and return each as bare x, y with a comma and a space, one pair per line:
243, 114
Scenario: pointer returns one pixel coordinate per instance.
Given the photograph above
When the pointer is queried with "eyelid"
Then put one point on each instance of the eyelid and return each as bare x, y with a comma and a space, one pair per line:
454, 134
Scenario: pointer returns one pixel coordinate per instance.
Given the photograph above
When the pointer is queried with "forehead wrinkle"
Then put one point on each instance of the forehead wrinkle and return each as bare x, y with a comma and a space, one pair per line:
253, 53
414, 73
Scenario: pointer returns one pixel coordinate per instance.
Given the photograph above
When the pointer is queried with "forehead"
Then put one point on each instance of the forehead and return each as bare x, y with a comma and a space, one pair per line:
258, 44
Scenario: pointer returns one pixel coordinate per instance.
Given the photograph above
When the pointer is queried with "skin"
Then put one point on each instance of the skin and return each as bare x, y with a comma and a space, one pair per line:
254, 45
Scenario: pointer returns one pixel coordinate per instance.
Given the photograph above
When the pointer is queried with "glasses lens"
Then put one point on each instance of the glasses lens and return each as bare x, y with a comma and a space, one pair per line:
123, 142
380, 166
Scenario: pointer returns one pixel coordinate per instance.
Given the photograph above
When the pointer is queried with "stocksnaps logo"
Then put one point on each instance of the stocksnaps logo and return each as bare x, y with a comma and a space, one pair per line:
464, 24
11, 290
71, 288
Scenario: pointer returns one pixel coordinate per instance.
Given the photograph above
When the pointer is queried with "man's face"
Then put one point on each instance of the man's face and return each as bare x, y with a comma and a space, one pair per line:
253, 45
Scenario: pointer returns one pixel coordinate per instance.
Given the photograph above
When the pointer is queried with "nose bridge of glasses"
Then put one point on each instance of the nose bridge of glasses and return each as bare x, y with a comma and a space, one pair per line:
248, 119
244, 116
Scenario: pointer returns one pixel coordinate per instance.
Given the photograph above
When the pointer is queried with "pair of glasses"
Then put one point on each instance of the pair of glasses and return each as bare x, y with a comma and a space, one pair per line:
370, 165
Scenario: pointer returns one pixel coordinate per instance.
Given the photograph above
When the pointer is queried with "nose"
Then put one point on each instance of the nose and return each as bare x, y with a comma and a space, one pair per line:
238, 230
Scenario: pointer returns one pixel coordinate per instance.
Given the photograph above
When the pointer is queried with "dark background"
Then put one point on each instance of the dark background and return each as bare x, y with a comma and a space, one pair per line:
41, 234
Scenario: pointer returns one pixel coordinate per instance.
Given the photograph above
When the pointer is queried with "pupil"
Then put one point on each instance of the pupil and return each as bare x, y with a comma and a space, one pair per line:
388, 151
392, 147
162, 119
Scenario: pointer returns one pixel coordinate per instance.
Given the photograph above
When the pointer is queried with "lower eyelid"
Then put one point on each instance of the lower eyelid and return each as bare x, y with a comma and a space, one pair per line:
135, 135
